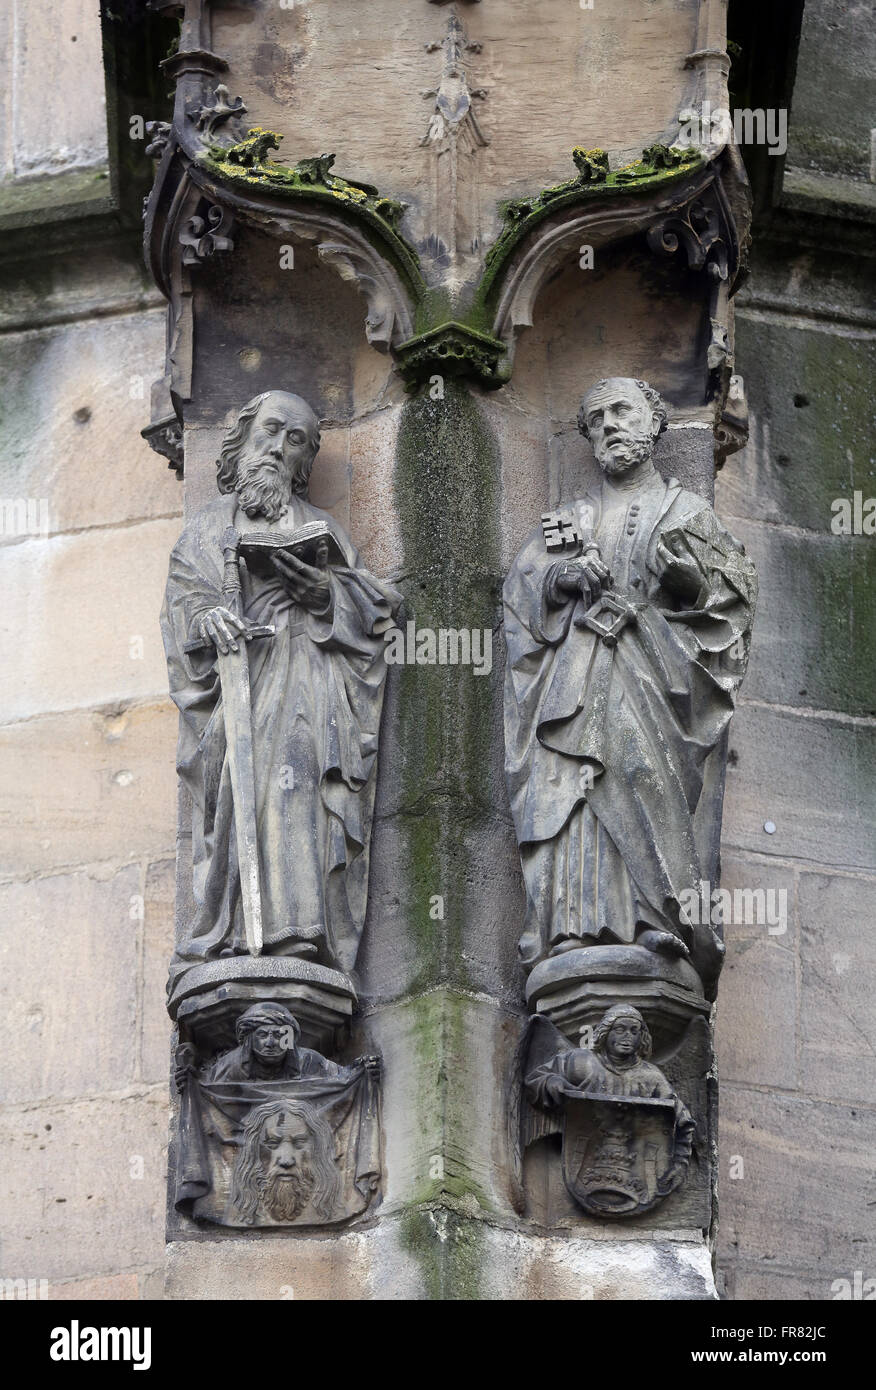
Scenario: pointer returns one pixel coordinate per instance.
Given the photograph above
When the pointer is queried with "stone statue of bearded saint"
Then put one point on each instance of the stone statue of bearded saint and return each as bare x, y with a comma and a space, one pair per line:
626, 647
316, 697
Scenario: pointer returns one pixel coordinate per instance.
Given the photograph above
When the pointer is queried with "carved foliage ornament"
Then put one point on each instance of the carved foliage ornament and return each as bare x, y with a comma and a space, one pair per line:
698, 229
204, 235
220, 110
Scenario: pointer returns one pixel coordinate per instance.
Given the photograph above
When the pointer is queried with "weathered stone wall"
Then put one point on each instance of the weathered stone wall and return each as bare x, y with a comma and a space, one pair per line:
795, 1013
87, 788
87, 804
87, 734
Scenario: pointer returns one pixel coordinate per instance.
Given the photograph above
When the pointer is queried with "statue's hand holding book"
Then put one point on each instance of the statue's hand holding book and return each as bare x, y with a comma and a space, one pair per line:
300, 558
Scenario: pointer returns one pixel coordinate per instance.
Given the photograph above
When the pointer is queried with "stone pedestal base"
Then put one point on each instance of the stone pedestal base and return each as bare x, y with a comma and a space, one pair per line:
437, 1254
208, 998
575, 988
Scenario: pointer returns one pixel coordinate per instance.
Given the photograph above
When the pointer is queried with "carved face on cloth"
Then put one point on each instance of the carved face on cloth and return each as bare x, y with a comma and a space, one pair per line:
286, 1156
286, 1164
622, 423
269, 454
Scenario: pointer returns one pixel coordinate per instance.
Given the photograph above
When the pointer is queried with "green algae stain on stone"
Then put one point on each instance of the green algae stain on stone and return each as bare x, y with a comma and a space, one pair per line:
450, 1252
447, 488
446, 481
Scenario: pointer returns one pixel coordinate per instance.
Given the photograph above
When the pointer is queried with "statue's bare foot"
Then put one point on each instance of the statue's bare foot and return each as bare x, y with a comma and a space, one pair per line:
662, 941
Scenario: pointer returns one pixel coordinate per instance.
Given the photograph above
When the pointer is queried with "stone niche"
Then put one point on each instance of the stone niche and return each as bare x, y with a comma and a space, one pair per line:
308, 331
428, 295
632, 314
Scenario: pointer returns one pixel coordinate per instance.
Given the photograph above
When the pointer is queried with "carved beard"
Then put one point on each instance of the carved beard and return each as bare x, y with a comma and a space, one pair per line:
284, 1196
627, 451
263, 490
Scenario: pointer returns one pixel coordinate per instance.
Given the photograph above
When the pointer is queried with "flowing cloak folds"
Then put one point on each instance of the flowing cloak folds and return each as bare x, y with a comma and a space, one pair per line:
615, 796
317, 694
212, 1116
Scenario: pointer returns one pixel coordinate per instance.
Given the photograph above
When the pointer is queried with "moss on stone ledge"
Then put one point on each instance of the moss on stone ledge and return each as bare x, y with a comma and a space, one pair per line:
659, 164
247, 165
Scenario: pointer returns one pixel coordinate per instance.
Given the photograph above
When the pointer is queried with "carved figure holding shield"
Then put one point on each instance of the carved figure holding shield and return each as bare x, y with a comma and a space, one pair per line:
627, 1136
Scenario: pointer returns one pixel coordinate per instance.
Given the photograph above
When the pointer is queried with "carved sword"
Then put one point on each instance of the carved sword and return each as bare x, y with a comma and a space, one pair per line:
233, 667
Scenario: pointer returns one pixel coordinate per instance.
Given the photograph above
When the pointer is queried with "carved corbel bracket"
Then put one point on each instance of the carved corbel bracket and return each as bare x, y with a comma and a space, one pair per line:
731, 431
165, 432
159, 138
165, 436
453, 349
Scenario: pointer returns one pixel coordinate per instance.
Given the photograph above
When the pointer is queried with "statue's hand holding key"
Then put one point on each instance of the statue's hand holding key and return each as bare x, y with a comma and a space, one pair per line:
583, 576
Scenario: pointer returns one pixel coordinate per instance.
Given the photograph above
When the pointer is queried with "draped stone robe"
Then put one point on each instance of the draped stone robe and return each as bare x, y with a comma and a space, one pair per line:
614, 756
317, 693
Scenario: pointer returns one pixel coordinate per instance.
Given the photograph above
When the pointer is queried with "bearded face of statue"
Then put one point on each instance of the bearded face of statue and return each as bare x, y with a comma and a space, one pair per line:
277, 455
286, 1153
620, 424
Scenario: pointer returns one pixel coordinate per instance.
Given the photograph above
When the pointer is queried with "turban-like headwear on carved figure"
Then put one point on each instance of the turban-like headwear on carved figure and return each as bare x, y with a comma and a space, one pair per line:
260, 1015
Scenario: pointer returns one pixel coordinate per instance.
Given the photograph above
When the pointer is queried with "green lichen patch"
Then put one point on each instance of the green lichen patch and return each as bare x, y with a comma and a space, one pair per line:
659, 163
592, 165
655, 159
248, 164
